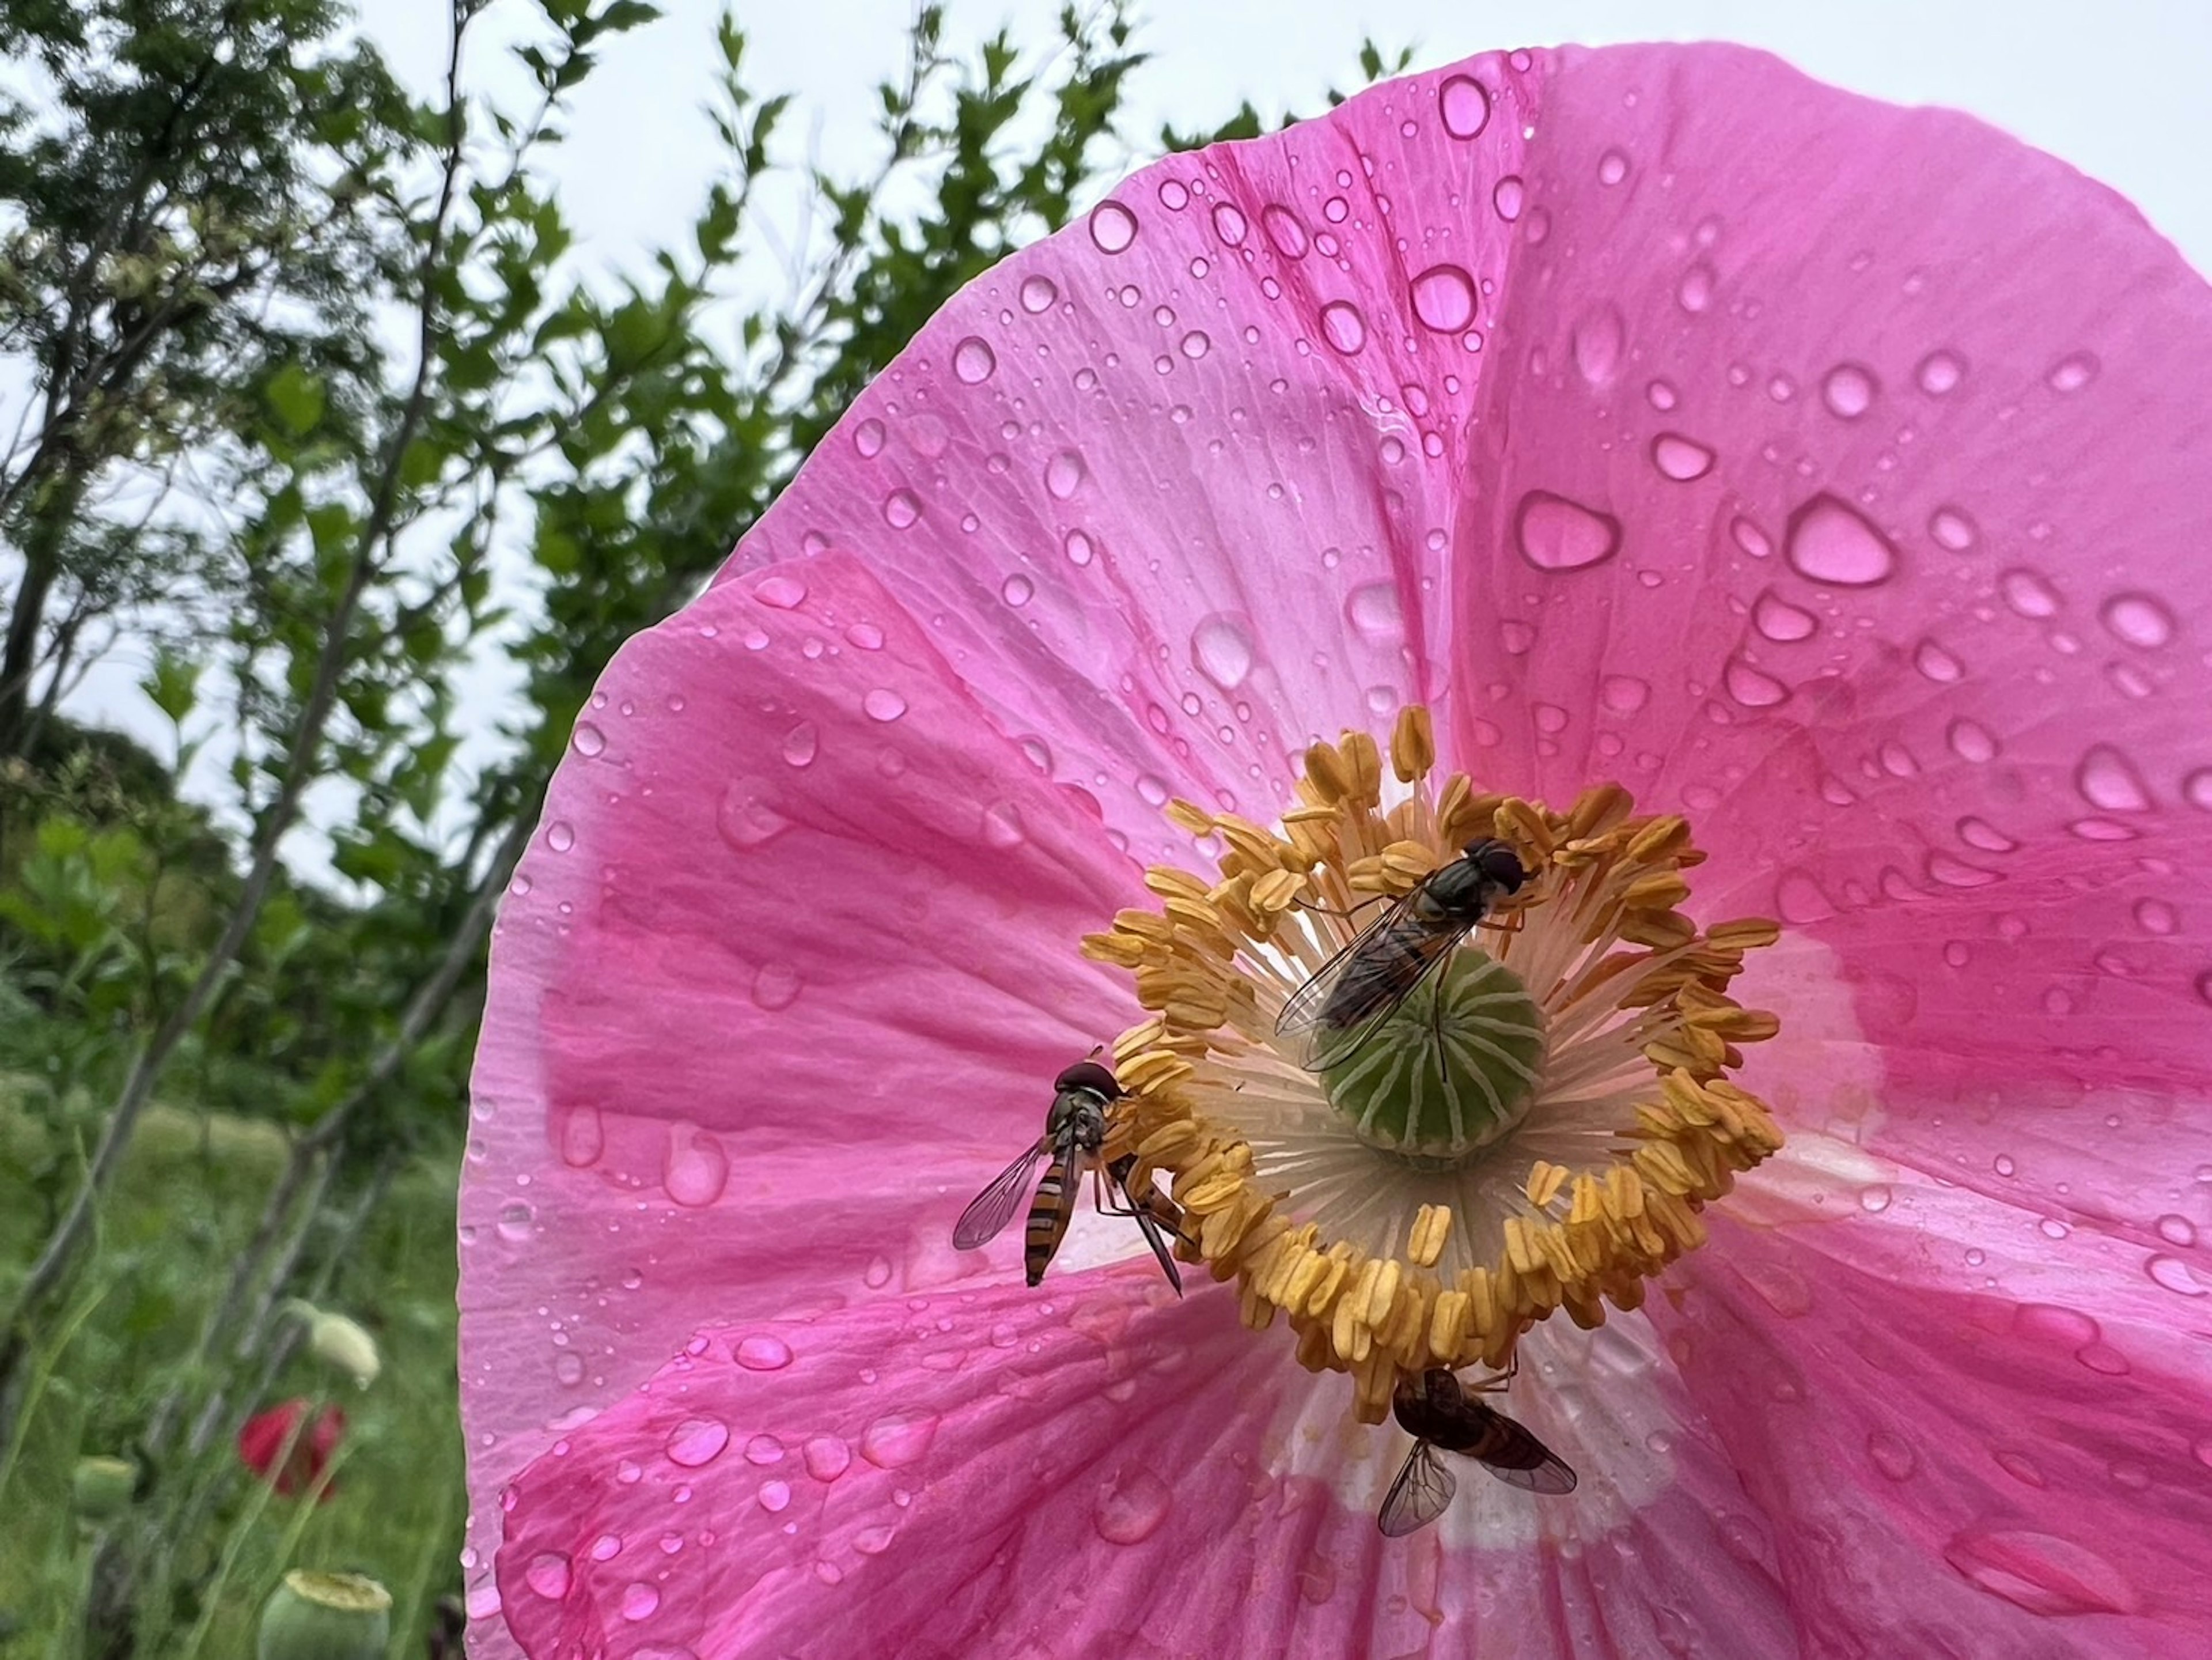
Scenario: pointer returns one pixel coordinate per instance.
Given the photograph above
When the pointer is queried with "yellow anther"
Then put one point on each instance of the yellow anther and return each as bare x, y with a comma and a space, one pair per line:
1544, 1182
1431, 1228
1412, 744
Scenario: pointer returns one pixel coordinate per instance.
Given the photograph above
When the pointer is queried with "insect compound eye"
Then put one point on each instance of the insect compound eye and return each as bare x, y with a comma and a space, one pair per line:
1499, 863
1088, 1075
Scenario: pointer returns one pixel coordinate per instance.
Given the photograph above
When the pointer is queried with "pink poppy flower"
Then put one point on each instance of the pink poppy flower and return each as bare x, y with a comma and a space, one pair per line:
262, 1445
1832, 475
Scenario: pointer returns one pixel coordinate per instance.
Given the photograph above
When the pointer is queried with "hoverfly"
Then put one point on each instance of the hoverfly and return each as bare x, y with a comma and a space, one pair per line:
1436, 1411
1353, 994
1075, 1130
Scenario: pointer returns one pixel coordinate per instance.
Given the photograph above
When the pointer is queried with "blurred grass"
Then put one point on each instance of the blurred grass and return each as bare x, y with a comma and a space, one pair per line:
186, 1200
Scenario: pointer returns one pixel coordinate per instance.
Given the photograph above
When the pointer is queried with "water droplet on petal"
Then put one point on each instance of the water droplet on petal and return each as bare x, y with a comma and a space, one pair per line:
2138, 619
1285, 230
1131, 1505
2171, 1273
1940, 372
972, 360
868, 438
2072, 373
801, 744
560, 835
1780, 621
1221, 648
1624, 694
1509, 196
744, 819
1849, 391
583, 1137
2027, 593
1682, 459
1556, 534
548, 1574
882, 704
827, 1457
1343, 326
1750, 687
694, 1169
1003, 827
1373, 609
1952, 529
1598, 339
514, 1223
697, 1441
2037, 1571
1464, 105
897, 1439
1937, 664
1230, 224
639, 1601
1695, 291
1612, 167
901, 509
1037, 294
763, 1352
1829, 542
1113, 227
775, 1496
763, 1450
1064, 474
777, 986
2107, 779
588, 740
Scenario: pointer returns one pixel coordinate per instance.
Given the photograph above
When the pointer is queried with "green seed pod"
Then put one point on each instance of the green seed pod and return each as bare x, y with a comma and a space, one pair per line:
1443, 1082
101, 1489
325, 1616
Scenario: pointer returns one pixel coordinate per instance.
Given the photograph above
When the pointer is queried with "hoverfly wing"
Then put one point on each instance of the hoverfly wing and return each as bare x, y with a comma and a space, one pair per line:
1421, 1494
993, 1208
1524, 1462
1148, 1224
1356, 991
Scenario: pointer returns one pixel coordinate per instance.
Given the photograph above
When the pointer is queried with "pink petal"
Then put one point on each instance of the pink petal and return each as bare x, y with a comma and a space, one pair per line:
781, 982
1953, 1453
992, 1473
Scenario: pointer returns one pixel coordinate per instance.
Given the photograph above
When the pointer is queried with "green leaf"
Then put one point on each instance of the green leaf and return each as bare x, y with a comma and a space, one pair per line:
173, 684
296, 398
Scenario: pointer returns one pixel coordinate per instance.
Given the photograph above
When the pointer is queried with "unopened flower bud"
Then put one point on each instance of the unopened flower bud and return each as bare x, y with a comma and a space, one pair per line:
102, 1489
341, 1343
325, 1616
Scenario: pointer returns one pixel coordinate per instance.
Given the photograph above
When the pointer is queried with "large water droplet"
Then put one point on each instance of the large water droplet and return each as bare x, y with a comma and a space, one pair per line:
1694, 293
801, 744
1940, 372
2138, 619
763, 1352
694, 1169
2027, 593
1343, 326
1612, 167
881, 704
548, 1575
697, 1441
1443, 299
560, 835
1829, 542
777, 986
1624, 694
744, 819
1064, 474
2040, 1573
1131, 1505
1937, 664
1848, 390
639, 1601
972, 360
1556, 534
2106, 779
1682, 459
588, 740
1782, 622
901, 509
1221, 648
1230, 224
897, 1439
1509, 196
1113, 227
1598, 340
583, 1137
1373, 611
1953, 529
827, 1457
1464, 105
781, 591
1750, 687
1892, 1454
868, 438
1002, 826
1037, 293
514, 1223
1286, 231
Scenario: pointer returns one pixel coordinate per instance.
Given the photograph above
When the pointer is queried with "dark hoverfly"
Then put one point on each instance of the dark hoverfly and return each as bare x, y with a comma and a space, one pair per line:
1074, 1131
1435, 1409
1357, 990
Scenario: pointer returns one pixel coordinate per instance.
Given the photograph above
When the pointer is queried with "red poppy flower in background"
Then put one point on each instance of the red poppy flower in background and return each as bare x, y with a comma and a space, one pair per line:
262, 1442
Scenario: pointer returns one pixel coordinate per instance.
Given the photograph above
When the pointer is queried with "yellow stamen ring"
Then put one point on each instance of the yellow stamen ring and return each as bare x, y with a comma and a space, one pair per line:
1382, 1266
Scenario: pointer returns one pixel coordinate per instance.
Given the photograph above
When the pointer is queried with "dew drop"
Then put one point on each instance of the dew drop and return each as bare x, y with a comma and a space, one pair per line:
514, 1223
2171, 1273
1509, 196
1555, 534
2137, 618
1079, 548
1285, 230
882, 704
560, 835
583, 1137
1113, 227
1939, 373
1002, 826
2038, 1572
1682, 459
639, 1601
1750, 687
1343, 326
1037, 293
1017, 590
1952, 530
763, 1450
2106, 779
801, 744
1612, 167
1782, 622
1874, 1199
827, 1456
901, 509
897, 1439
1848, 390
2197, 787
868, 438
776, 986
1892, 1454
1695, 291
1373, 609
696, 1441
1971, 741
2073, 372
1598, 339
1624, 694
1937, 664
1464, 105
764, 1353
1064, 474
744, 819
1830, 543
1131, 1505
1221, 648
548, 1575
1230, 224
775, 1496
694, 1169
972, 360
